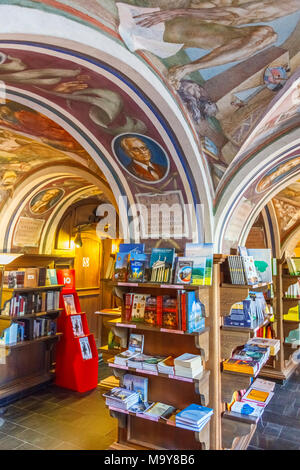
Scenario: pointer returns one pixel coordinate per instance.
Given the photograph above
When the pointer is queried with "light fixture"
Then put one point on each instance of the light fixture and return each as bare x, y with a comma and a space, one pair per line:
78, 240
5, 259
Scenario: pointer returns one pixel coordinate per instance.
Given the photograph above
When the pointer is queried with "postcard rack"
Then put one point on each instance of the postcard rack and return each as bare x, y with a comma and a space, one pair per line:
77, 355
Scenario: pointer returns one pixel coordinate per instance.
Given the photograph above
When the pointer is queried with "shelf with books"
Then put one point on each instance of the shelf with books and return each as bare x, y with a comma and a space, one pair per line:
202, 437
201, 381
22, 344
52, 313
33, 289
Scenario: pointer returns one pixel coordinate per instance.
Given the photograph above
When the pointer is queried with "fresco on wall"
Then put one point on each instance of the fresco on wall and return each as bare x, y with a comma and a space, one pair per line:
40, 206
287, 207
226, 60
96, 100
21, 156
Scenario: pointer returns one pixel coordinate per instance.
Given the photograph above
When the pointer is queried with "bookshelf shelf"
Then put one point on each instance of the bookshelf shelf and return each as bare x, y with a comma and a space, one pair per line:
22, 344
198, 379
32, 289
144, 327
156, 285
33, 315
246, 286
246, 329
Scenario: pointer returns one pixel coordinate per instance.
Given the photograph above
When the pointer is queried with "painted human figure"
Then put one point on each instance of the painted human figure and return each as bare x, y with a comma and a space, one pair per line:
141, 165
230, 29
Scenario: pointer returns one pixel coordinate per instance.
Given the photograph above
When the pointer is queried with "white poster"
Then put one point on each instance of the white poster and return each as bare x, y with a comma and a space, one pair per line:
28, 232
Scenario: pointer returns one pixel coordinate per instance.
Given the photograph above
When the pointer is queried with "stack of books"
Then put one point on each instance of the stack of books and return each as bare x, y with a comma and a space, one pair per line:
121, 398
188, 365
135, 347
255, 399
166, 366
151, 363
159, 410
194, 417
273, 344
248, 359
122, 358
249, 313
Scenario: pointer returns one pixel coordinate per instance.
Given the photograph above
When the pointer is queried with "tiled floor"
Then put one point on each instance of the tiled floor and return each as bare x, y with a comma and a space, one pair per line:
58, 419
279, 426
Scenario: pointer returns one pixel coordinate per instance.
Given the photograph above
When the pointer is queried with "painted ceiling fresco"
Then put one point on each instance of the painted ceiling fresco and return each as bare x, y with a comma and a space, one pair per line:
287, 207
225, 60
21, 155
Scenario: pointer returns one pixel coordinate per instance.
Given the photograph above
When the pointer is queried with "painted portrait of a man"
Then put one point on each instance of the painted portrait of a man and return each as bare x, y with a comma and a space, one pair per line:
141, 157
45, 200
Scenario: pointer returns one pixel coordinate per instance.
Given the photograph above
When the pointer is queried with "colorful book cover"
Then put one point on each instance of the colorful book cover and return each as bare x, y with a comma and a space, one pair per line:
202, 256
138, 307
250, 270
51, 277
131, 248
85, 348
183, 271
69, 303
194, 414
194, 313
137, 384
159, 409
170, 312
121, 267
161, 264
137, 266
77, 325
263, 263
150, 315
136, 343
247, 409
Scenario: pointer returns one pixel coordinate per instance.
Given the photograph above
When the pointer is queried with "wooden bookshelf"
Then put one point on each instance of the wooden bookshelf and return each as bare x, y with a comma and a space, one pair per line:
135, 430
27, 365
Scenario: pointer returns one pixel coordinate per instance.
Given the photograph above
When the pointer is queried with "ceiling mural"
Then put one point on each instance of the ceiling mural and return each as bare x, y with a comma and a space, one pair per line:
126, 135
22, 156
287, 207
226, 60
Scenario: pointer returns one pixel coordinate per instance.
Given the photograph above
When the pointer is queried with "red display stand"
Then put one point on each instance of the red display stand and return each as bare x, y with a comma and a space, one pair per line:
76, 353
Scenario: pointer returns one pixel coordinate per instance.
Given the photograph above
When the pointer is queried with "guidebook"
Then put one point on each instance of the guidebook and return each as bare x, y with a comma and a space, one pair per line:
202, 256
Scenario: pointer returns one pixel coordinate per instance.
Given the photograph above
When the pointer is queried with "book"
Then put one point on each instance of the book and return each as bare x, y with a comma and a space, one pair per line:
273, 344
187, 360
122, 358
121, 398
137, 384
137, 267
166, 366
250, 270
170, 312
31, 277
265, 385
193, 417
121, 267
263, 263
250, 367
202, 256
85, 348
258, 397
51, 277
77, 325
159, 410
138, 307
183, 271
161, 264
247, 409
131, 248
136, 343
69, 304
194, 313
150, 314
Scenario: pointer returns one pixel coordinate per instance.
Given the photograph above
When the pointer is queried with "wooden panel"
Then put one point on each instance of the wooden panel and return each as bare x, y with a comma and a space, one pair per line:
87, 262
230, 340
158, 435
